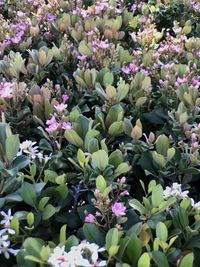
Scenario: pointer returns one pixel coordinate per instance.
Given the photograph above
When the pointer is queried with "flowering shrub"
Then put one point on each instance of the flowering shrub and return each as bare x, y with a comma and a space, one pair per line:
99, 133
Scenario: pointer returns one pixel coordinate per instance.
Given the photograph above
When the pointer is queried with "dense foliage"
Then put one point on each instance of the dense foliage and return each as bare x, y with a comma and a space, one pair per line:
100, 133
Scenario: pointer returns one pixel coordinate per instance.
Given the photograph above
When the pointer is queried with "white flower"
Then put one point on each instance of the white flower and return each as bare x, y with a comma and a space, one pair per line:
92, 249
196, 205
175, 191
60, 258
28, 147
85, 255
5, 244
7, 218
42, 157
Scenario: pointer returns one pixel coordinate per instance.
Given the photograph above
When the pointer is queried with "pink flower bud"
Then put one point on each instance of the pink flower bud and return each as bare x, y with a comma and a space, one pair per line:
90, 218
122, 180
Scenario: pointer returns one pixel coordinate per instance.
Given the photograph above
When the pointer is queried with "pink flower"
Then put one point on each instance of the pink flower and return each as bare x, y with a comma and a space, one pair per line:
60, 107
124, 193
195, 145
90, 218
123, 180
51, 121
118, 209
66, 126
126, 70
6, 90
82, 58
133, 67
65, 98
53, 127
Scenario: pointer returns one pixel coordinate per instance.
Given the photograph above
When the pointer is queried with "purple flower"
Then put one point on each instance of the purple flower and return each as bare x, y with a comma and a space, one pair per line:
123, 180
90, 218
65, 98
66, 126
126, 70
118, 209
60, 107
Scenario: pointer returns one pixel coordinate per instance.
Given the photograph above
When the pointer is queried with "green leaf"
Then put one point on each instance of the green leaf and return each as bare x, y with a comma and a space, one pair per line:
162, 144
33, 258
43, 203
170, 153
100, 159
108, 78
73, 138
183, 217
122, 91
48, 212
187, 260
12, 147
50, 176
71, 241
161, 231
157, 195
33, 246
115, 128
61, 179
113, 250
122, 168
159, 159
112, 238
144, 260
30, 219
160, 259
116, 158
81, 157
63, 236
15, 225
134, 203
93, 145
89, 136
134, 248
93, 234
101, 183
84, 49
28, 194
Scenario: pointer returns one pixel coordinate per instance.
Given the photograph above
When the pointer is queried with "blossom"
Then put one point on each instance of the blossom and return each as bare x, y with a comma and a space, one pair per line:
126, 70
5, 245
123, 180
6, 90
175, 191
28, 147
92, 249
60, 107
58, 257
65, 98
43, 157
53, 125
7, 217
118, 209
90, 218
196, 205
66, 126
85, 255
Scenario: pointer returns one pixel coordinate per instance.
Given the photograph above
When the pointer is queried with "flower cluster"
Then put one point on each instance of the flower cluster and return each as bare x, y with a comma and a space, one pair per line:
85, 254
6, 90
5, 233
30, 149
58, 120
175, 191
109, 205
